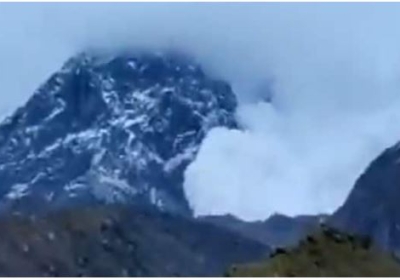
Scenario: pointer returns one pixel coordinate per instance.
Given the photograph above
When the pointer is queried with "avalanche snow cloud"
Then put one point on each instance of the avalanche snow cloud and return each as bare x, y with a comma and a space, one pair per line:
318, 87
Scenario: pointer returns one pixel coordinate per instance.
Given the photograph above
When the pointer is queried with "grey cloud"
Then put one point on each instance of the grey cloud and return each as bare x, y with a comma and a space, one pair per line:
334, 69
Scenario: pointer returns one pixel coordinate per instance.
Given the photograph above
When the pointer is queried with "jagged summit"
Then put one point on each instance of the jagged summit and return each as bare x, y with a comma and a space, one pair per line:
111, 128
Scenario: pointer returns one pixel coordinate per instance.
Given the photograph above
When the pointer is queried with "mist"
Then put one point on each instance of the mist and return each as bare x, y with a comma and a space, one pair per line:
332, 71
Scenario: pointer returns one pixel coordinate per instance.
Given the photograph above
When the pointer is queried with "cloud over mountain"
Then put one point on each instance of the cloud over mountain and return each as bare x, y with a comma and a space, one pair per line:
331, 71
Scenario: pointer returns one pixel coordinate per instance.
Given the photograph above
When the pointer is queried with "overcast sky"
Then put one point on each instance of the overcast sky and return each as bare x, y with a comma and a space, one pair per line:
333, 69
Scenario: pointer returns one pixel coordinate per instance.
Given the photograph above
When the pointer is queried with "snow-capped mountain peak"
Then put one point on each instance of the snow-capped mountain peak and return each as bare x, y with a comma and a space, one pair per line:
111, 128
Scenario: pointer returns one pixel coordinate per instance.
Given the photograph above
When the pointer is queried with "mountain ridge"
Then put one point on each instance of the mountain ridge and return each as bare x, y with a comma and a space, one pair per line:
372, 207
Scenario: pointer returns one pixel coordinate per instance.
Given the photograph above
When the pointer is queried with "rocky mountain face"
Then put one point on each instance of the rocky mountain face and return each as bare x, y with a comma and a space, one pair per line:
91, 172
372, 207
117, 240
276, 231
111, 129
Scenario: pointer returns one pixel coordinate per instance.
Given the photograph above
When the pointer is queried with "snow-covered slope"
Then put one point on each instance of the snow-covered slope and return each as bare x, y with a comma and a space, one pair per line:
111, 129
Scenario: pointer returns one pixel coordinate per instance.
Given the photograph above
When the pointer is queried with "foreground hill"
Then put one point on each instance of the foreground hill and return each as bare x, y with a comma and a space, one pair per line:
118, 241
327, 253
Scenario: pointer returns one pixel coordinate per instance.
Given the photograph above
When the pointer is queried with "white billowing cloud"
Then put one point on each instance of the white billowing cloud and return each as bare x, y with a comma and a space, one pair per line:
333, 70
286, 165
336, 107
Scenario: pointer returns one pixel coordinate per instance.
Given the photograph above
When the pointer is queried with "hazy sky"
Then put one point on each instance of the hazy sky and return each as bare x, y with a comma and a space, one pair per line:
333, 69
